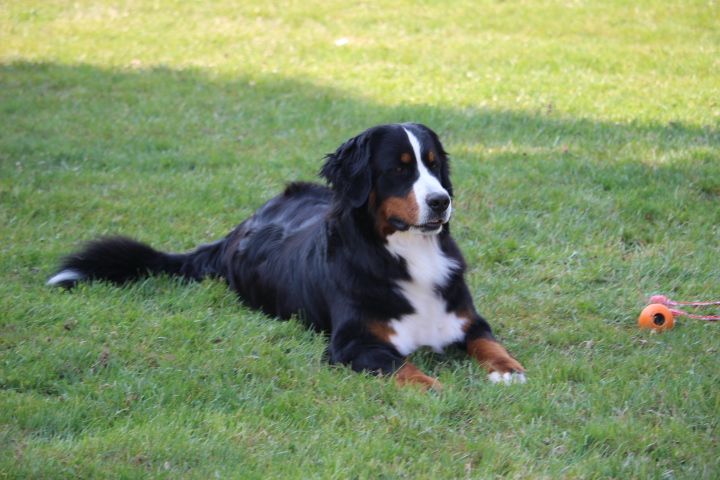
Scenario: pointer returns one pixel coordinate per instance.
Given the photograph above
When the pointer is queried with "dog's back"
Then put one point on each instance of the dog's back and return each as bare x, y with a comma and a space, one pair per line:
276, 260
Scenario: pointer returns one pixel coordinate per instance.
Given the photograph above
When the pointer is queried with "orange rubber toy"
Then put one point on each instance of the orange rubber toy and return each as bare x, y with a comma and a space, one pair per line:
660, 314
657, 317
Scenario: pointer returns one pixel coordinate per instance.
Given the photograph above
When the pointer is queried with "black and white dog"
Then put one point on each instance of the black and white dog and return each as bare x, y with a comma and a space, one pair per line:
370, 261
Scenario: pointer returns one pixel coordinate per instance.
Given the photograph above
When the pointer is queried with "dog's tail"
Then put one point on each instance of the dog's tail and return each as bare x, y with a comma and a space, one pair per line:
120, 260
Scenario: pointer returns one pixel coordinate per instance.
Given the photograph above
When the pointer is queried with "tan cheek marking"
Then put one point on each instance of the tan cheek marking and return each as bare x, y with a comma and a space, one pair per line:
404, 208
493, 356
409, 374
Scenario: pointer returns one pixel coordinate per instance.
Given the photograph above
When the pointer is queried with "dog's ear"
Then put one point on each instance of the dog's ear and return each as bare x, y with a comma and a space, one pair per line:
348, 170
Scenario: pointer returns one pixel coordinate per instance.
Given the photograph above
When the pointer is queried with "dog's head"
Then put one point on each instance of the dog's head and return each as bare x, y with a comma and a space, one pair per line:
398, 173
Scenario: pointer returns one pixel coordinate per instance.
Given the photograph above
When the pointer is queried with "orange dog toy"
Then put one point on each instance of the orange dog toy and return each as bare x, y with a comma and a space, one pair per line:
660, 314
656, 316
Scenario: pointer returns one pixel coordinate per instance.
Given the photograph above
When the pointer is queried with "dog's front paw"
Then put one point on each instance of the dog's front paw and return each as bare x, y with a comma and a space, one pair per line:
505, 369
409, 374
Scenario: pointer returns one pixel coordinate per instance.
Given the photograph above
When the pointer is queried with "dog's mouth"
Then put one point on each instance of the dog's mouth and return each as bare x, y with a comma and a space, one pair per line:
433, 226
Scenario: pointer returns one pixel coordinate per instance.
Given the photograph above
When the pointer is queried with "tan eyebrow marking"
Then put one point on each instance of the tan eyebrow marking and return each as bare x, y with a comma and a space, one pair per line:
431, 157
406, 158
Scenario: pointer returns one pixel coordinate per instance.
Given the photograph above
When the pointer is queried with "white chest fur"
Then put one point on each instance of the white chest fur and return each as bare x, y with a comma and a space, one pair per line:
431, 325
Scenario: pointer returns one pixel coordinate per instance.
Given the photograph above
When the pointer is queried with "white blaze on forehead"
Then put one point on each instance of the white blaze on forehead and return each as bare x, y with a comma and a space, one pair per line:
426, 183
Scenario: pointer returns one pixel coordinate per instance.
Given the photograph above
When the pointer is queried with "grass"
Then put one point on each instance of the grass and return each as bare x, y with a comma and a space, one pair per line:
585, 152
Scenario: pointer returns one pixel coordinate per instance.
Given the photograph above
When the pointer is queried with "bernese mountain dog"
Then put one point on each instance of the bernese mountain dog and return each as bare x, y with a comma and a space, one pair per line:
368, 260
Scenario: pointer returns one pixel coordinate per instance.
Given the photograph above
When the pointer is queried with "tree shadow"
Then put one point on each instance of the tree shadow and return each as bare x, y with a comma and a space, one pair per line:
253, 133
148, 105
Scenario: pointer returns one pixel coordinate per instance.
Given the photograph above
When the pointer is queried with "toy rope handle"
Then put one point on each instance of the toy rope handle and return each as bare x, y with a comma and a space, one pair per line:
662, 299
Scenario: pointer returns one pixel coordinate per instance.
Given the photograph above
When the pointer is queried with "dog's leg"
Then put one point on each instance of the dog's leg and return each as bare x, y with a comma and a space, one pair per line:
483, 347
368, 352
501, 366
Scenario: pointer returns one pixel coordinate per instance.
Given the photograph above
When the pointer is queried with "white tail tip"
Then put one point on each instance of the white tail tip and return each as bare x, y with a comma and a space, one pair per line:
65, 276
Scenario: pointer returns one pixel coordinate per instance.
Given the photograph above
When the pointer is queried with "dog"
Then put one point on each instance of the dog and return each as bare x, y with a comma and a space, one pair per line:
368, 260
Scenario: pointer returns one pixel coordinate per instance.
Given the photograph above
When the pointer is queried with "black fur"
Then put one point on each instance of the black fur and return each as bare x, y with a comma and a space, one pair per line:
313, 251
120, 260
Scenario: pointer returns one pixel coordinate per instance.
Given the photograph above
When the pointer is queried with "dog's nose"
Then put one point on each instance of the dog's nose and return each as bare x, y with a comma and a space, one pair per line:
438, 202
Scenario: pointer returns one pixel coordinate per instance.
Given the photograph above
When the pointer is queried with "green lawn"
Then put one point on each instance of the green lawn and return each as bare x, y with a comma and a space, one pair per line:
585, 142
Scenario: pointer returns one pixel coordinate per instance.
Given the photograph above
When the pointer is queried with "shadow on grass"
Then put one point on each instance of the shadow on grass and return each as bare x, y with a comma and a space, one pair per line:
47, 106
252, 134
210, 146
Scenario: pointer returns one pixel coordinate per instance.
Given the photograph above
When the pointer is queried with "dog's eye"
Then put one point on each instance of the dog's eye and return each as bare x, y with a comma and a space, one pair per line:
399, 170
435, 166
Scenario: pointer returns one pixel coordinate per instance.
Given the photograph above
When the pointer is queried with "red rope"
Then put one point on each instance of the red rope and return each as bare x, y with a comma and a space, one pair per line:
662, 299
